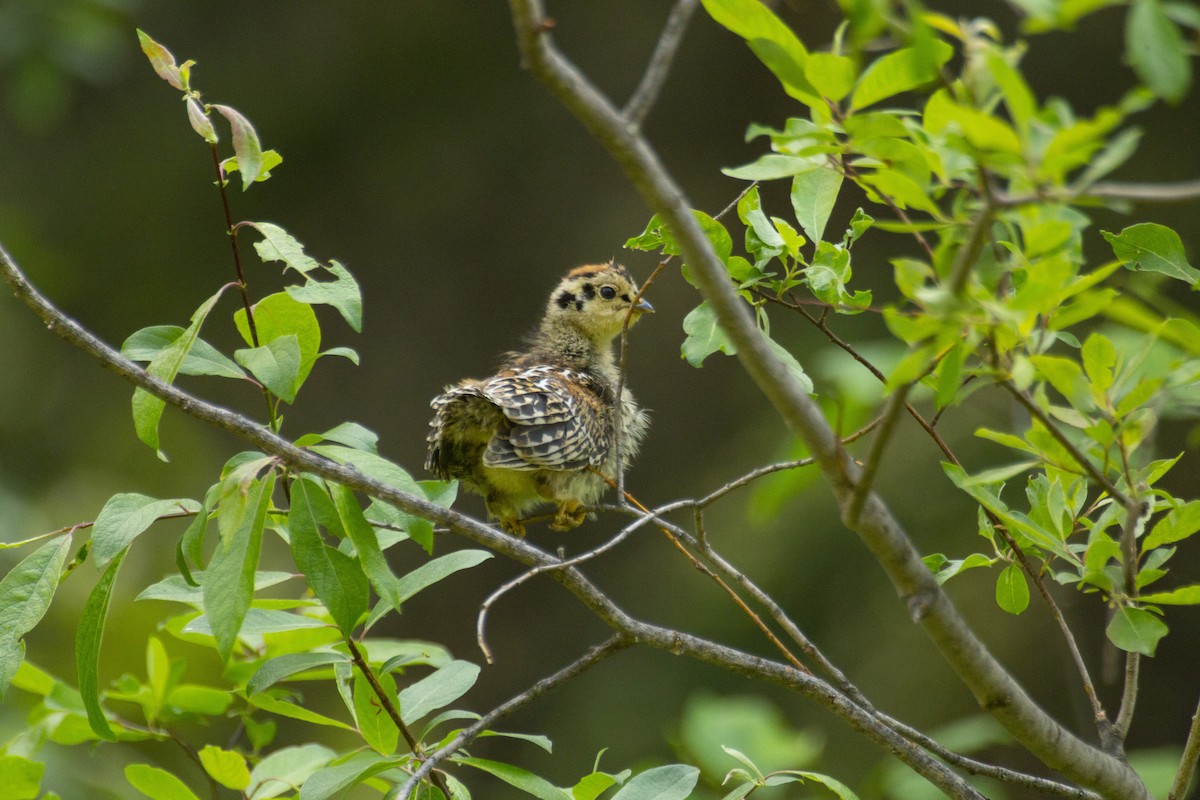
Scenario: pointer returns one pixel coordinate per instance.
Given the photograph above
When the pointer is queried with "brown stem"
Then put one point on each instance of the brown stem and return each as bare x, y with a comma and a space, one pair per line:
385, 701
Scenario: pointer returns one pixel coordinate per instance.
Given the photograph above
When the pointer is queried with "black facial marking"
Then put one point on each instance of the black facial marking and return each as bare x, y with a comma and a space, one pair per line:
625, 297
589, 291
564, 299
578, 305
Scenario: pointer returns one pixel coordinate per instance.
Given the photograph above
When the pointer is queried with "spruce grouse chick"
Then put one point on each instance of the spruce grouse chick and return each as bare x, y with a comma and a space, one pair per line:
529, 434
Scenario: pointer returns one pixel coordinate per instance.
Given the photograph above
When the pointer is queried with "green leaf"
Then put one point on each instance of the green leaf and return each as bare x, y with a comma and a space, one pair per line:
342, 293
177, 590
245, 145
515, 776
333, 780
831, 75
127, 515
436, 569
901, 71
437, 690
336, 579
225, 767
371, 464
87, 647
276, 669
772, 166
229, 579
1099, 358
279, 245
814, 194
157, 784
944, 569
1066, 377
1012, 591
1178, 524
161, 60
793, 366
771, 40
376, 726
1153, 247
200, 122
366, 545
832, 784
278, 315
148, 409
20, 777
591, 786
276, 365
704, 335
293, 711
1183, 596
201, 359
1136, 630
259, 621
672, 782
1157, 51
281, 771
25, 594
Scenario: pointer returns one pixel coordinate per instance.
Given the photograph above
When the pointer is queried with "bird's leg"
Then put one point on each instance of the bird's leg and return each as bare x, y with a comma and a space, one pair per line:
505, 516
571, 514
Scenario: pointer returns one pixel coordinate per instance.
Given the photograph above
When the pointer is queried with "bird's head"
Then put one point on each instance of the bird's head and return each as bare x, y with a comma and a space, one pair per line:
595, 299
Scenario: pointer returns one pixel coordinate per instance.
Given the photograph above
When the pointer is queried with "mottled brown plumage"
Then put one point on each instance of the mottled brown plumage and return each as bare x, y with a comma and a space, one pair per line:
540, 429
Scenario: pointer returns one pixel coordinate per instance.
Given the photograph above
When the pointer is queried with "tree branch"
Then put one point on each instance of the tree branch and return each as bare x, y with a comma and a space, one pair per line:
673, 641
467, 735
1187, 762
993, 687
647, 92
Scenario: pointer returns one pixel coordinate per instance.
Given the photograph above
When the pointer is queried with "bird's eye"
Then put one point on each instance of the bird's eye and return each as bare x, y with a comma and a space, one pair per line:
608, 292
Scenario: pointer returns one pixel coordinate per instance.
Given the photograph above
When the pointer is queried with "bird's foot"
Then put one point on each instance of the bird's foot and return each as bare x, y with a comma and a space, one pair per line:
513, 526
570, 516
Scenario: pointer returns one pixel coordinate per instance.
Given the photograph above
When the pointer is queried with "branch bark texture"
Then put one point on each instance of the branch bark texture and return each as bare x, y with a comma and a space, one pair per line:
993, 687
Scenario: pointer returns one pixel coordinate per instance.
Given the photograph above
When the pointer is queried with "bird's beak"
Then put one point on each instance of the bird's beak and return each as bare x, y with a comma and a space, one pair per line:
644, 307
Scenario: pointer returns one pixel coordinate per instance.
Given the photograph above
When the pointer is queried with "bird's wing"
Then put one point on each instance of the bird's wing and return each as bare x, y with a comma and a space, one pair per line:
554, 420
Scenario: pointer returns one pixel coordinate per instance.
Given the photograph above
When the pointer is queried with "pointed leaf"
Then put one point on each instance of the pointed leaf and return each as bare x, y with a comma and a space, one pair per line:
225, 767
672, 782
127, 515
276, 365
157, 784
161, 60
814, 194
229, 579
336, 579
1154, 247
1136, 630
87, 647
245, 145
901, 71
25, 594
1157, 50
437, 690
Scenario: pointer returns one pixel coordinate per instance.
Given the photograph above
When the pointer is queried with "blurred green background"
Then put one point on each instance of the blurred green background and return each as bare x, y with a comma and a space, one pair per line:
418, 153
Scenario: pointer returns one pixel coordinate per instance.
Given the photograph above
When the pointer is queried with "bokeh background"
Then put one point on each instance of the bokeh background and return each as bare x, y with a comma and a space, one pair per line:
418, 153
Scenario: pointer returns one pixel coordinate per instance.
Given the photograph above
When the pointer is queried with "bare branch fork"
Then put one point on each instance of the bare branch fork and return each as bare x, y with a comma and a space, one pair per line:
994, 688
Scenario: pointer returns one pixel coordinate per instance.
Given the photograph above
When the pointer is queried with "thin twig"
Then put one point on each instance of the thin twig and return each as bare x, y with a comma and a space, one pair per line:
1187, 761
1129, 566
385, 701
589, 659
968, 252
862, 488
648, 89
486, 605
1146, 192
79, 526
1082, 460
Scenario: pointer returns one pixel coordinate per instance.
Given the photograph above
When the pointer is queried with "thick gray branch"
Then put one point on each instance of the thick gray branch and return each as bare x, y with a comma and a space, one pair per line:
993, 687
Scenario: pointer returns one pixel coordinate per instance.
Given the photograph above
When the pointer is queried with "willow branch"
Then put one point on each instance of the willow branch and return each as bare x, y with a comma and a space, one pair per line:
648, 89
589, 659
1187, 762
993, 687
673, 641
